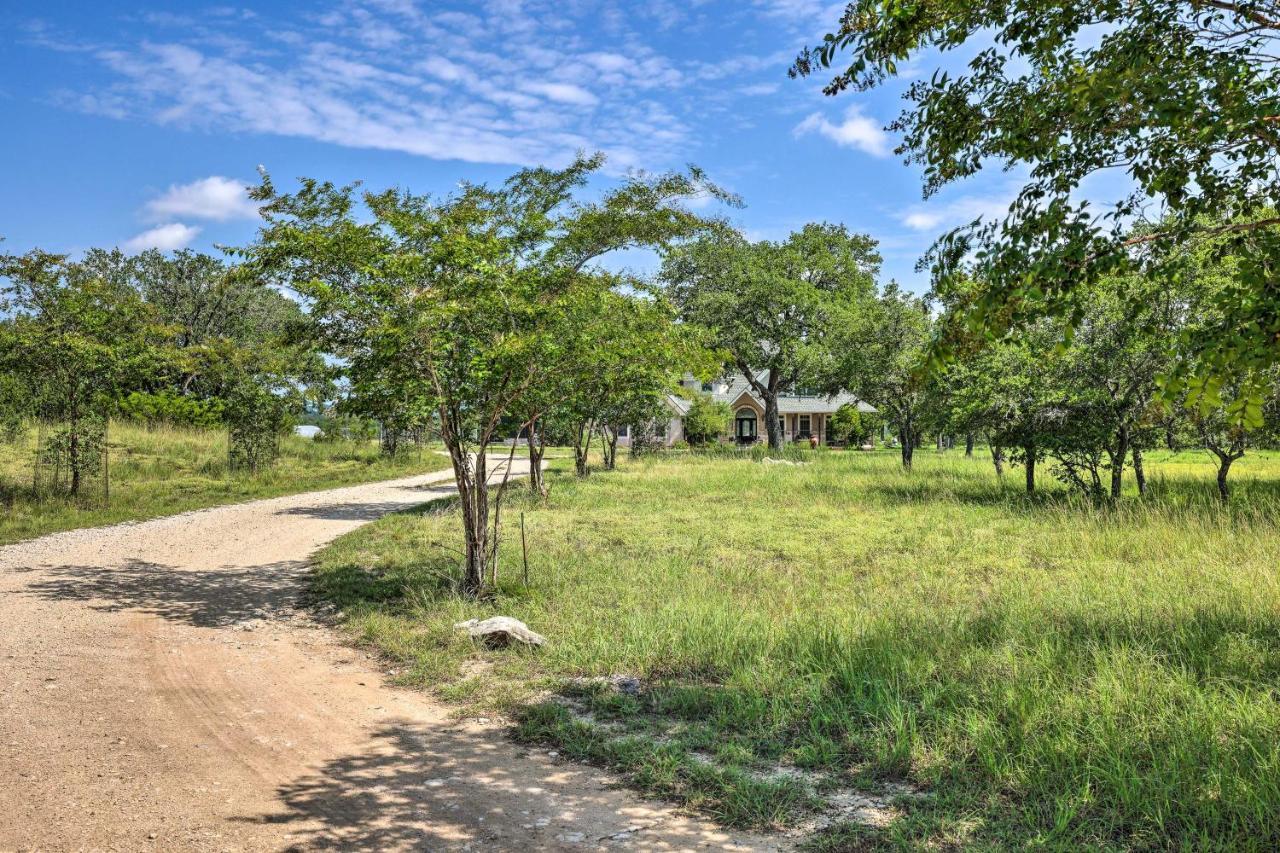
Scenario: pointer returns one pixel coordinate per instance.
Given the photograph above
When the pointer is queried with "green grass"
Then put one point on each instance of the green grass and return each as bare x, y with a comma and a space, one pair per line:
164, 470
1045, 672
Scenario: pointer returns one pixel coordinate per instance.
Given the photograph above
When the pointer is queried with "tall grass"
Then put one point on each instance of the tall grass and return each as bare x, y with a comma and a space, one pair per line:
1050, 671
159, 470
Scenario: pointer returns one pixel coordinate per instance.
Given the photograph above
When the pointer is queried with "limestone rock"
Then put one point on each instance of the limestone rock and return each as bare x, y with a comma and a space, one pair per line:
500, 631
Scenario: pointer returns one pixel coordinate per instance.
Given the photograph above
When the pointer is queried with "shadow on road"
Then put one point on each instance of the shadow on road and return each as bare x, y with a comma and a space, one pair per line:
443, 787
211, 598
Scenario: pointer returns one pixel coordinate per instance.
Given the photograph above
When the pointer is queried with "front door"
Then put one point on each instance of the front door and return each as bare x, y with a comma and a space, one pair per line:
745, 426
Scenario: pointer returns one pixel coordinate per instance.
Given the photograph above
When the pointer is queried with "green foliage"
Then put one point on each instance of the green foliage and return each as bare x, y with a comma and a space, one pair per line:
256, 419
456, 305
773, 307
707, 420
158, 469
77, 336
852, 427
168, 407
1180, 96
879, 355
70, 454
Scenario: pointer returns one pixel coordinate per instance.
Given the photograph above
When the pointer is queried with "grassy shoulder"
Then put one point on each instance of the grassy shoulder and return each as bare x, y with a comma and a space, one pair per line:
164, 470
998, 670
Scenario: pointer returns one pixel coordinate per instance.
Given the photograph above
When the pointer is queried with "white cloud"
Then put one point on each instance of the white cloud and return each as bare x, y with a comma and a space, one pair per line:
440, 91
214, 197
564, 93
958, 211
166, 238
854, 131
756, 89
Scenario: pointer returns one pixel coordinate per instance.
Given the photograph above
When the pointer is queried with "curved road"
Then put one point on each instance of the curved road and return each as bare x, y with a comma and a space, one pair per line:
159, 689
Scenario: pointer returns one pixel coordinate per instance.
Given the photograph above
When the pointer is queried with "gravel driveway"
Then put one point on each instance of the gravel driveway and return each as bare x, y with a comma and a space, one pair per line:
160, 690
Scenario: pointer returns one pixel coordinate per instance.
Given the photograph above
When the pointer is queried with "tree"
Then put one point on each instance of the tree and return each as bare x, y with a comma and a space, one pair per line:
773, 307
881, 349
620, 362
706, 420
77, 338
1180, 96
852, 426
464, 292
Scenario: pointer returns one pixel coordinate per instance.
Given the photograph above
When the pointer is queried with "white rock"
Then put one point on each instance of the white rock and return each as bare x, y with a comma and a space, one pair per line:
501, 631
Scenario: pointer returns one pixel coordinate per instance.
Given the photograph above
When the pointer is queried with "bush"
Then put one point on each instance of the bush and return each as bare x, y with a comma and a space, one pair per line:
256, 418
850, 426
170, 408
706, 420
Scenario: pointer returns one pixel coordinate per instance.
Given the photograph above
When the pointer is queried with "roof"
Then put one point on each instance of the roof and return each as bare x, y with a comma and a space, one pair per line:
793, 403
679, 405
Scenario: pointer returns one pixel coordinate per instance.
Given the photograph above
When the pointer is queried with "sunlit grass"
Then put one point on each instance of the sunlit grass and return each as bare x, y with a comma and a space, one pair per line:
162, 470
1049, 671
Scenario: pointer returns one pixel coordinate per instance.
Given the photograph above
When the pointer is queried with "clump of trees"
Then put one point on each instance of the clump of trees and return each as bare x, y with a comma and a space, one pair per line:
475, 304
1179, 97
186, 339
773, 308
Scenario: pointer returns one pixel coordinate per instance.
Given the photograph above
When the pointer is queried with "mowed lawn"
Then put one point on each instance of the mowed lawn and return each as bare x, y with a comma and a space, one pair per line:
161, 470
1005, 671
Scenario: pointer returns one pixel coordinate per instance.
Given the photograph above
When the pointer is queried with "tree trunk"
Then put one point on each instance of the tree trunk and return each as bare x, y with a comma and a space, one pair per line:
968, 444
537, 484
906, 437
997, 459
472, 479
73, 455
1030, 465
1117, 461
609, 446
1224, 467
1170, 440
773, 430
581, 447
1139, 475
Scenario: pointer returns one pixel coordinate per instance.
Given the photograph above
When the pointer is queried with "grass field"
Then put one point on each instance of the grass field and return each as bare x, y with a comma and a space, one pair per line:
164, 470
1002, 671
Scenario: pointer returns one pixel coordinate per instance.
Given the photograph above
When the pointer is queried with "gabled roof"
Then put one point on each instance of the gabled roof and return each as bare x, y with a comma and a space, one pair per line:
792, 403
679, 405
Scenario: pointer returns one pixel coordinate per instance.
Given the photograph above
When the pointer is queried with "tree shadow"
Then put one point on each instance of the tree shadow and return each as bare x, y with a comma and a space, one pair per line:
445, 787
431, 496
212, 598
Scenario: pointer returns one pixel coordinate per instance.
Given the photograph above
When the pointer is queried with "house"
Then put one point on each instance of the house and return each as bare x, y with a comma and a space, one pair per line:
801, 413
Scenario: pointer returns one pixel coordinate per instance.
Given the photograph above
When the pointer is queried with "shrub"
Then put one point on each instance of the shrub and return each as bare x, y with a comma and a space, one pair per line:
256, 418
706, 420
169, 408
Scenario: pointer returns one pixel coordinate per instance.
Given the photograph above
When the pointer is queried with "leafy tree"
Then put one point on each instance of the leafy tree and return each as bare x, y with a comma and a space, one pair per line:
773, 307
706, 420
852, 426
1182, 97
256, 415
621, 360
78, 339
463, 293
881, 349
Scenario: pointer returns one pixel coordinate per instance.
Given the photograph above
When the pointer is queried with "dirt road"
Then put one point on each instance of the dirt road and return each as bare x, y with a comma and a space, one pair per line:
159, 689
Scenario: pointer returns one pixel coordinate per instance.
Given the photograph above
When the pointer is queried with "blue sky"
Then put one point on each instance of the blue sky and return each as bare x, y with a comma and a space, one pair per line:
138, 125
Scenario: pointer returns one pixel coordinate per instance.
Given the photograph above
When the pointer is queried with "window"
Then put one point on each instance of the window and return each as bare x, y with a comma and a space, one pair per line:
622, 432
804, 426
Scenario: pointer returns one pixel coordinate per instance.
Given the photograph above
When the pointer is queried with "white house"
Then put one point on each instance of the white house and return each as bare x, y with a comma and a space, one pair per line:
801, 413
